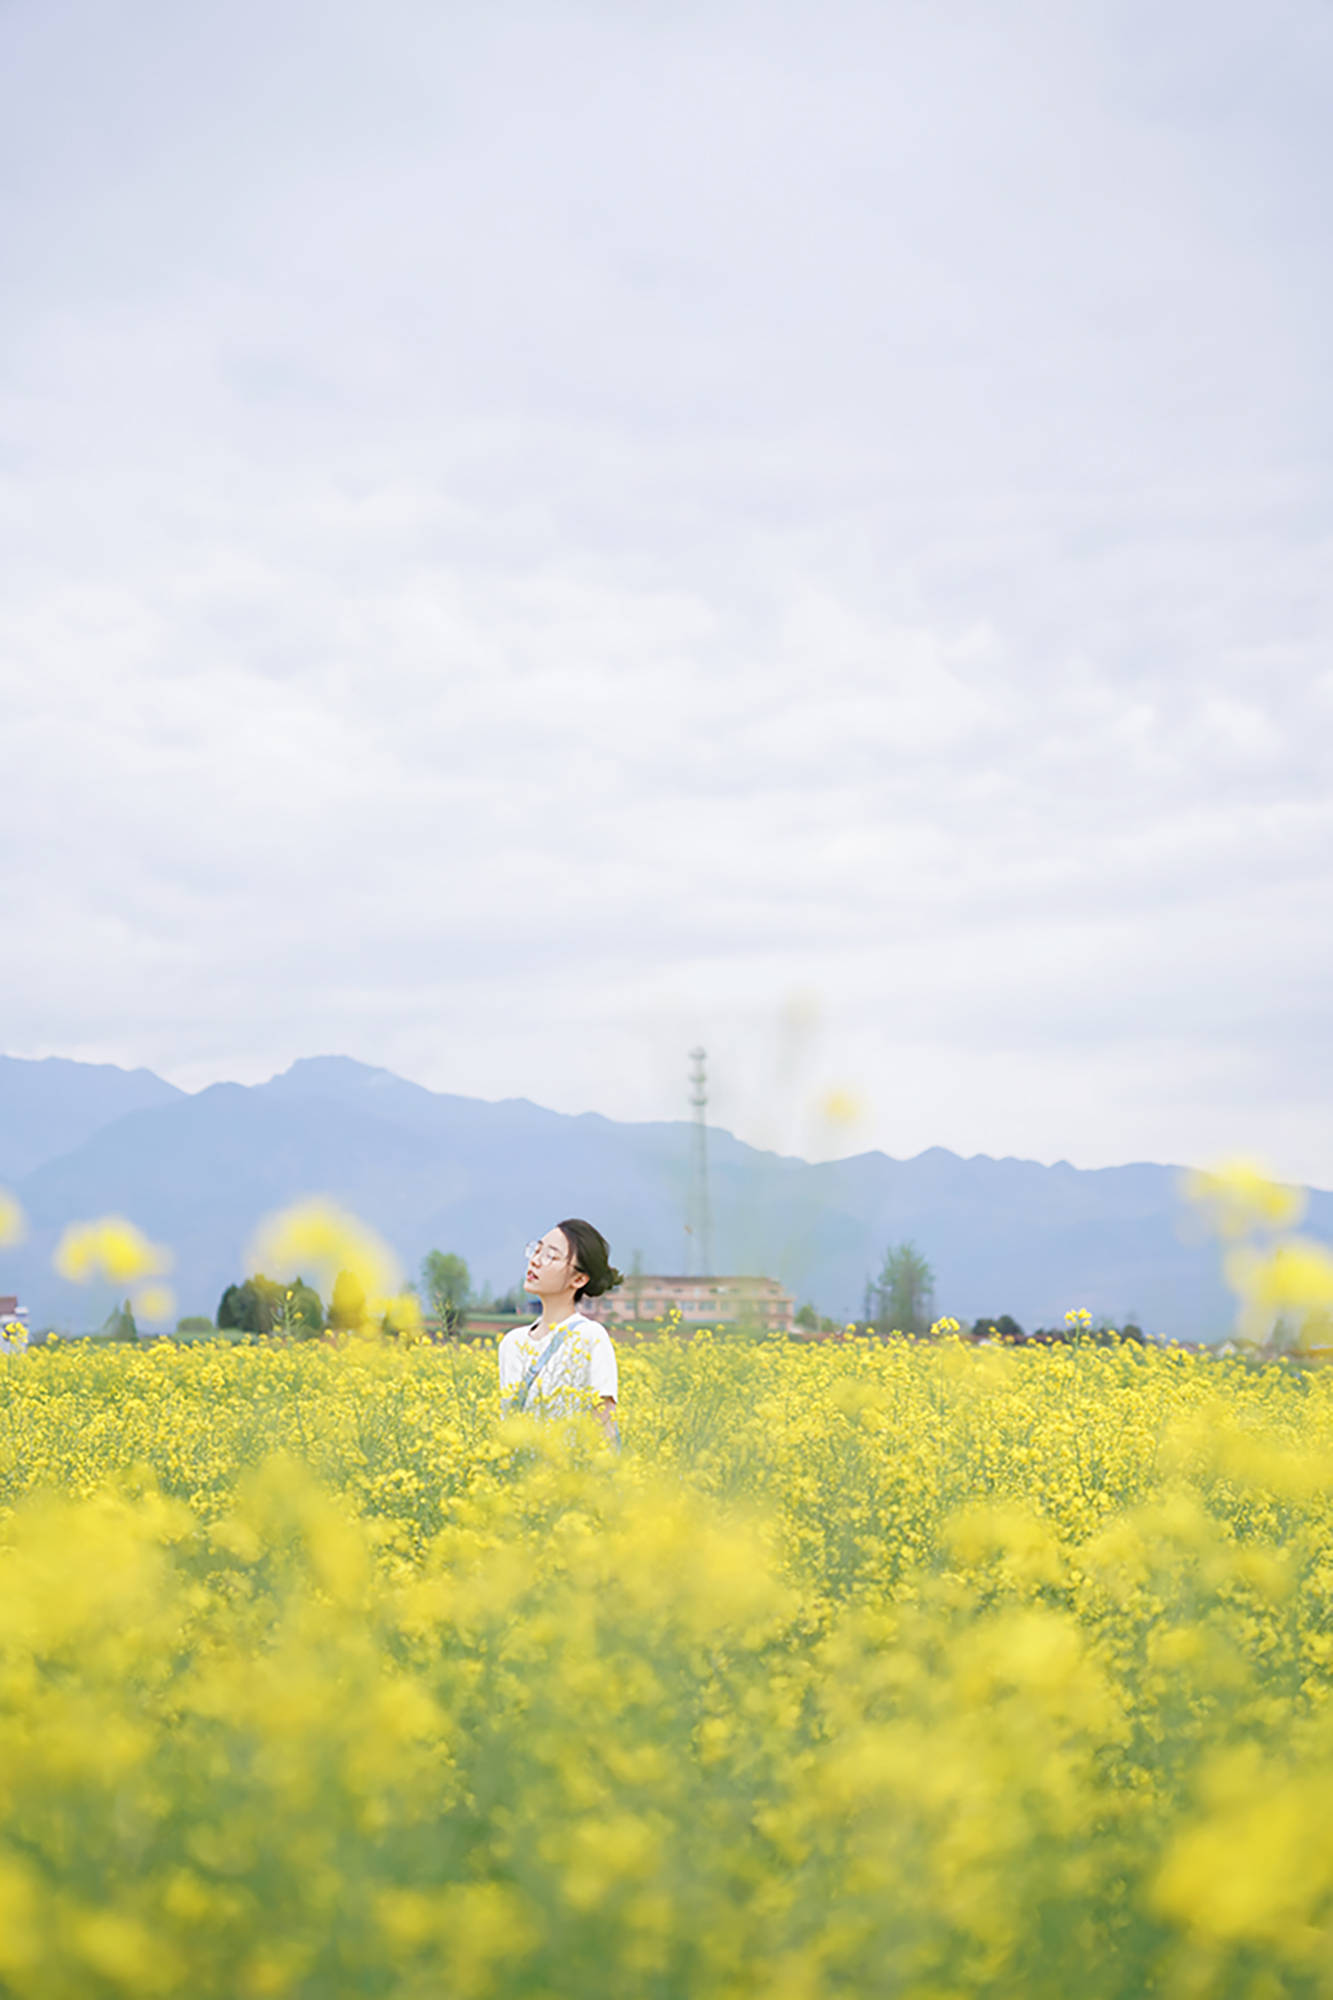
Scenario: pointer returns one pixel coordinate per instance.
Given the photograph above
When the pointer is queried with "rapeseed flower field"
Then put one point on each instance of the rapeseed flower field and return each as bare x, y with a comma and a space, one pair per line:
873, 1667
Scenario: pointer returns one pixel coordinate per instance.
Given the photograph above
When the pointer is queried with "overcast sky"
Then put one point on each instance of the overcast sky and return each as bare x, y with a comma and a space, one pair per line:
535, 536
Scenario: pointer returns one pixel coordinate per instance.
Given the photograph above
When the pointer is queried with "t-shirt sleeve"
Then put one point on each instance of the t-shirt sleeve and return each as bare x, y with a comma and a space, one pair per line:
603, 1375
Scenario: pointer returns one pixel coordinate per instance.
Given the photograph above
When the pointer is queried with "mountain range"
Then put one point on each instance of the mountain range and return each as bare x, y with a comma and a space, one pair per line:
198, 1171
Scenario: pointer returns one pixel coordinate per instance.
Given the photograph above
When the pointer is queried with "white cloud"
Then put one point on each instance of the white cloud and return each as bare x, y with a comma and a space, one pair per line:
538, 535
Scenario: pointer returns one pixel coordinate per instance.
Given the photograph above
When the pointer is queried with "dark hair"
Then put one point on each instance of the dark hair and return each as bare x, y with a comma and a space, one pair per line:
592, 1256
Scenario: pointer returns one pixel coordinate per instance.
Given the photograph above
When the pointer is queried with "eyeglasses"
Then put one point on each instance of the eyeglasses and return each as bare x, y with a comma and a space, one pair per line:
540, 1253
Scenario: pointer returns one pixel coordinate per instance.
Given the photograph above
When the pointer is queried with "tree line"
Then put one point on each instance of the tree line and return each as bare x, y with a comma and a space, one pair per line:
265, 1306
901, 1299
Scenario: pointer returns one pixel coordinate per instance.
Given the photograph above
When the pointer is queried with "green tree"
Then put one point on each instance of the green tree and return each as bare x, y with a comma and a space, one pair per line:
300, 1311
261, 1305
446, 1288
236, 1309
808, 1319
904, 1291
1002, 1327
119, 1323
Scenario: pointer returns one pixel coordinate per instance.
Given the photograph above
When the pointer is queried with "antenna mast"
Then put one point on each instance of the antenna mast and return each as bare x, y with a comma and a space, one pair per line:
701, 1220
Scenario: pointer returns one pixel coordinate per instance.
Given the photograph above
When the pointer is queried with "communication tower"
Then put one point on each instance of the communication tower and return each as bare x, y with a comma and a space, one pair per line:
701, 1220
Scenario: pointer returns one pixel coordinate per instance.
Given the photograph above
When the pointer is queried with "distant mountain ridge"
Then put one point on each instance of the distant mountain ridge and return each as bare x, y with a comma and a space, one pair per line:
198, 1171
51, 1106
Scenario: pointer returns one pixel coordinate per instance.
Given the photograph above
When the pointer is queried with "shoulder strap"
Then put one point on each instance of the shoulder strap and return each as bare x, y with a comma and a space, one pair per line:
535, 1368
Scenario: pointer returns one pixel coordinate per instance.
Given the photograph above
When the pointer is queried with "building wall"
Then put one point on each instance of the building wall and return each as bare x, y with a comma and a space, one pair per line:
699, 1301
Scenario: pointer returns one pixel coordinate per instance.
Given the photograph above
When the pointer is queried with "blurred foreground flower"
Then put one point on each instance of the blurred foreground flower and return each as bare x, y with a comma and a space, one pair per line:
1290, 1285
319, 1236
109, 1248
13, 1226
982, 1672
1238, 1197
841, 1107
155, 1302
402, 1314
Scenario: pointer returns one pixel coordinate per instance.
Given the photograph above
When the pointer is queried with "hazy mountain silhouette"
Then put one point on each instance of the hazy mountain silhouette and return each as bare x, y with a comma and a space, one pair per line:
199, 1172
49, 1107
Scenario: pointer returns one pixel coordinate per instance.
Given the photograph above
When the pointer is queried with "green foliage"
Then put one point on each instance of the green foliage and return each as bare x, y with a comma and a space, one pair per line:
807, 1319
903, 1292
195, 1323
120, 1323
1002, 1327
301, 1311
446, 1287
242, 1309
233, 1308
263, 1306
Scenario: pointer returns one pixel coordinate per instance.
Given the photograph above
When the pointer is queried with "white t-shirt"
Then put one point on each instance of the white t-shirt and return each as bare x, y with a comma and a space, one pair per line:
573, 1379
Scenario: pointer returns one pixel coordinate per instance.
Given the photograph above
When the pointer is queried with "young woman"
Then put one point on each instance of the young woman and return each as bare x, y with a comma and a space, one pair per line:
564, 1362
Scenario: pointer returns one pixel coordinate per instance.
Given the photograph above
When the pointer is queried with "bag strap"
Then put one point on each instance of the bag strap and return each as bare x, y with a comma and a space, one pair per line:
535, 1368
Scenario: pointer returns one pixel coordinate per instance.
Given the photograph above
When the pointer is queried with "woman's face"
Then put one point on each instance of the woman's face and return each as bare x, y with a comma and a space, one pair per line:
551, 1267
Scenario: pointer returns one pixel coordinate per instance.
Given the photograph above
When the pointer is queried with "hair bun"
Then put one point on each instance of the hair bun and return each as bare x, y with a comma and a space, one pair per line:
591, 1256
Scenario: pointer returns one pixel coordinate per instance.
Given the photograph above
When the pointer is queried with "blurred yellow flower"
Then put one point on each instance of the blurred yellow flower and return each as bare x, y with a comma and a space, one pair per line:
110, 1248
154, 1302
1238, 1197
402, 1313
13, 1224
1293, 1281
911, 1664
319, 1239
842, 1107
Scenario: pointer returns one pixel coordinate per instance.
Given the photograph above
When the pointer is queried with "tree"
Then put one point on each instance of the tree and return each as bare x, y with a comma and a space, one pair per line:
1003, 1327
236, 1309
262, 1306
446, 1288
808, 1319
300, 1311
904, 1291
119, 1323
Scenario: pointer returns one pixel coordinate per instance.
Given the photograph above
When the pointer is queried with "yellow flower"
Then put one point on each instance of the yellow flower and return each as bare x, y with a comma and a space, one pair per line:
1293, 1281
1239, 1197
908, 1660
402, 1313
319, 1238
842, 1107
110, 1248
154, 1302
13, 1223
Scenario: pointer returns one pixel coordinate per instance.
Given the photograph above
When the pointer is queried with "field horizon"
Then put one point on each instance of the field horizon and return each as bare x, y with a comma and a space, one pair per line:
198, 1171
